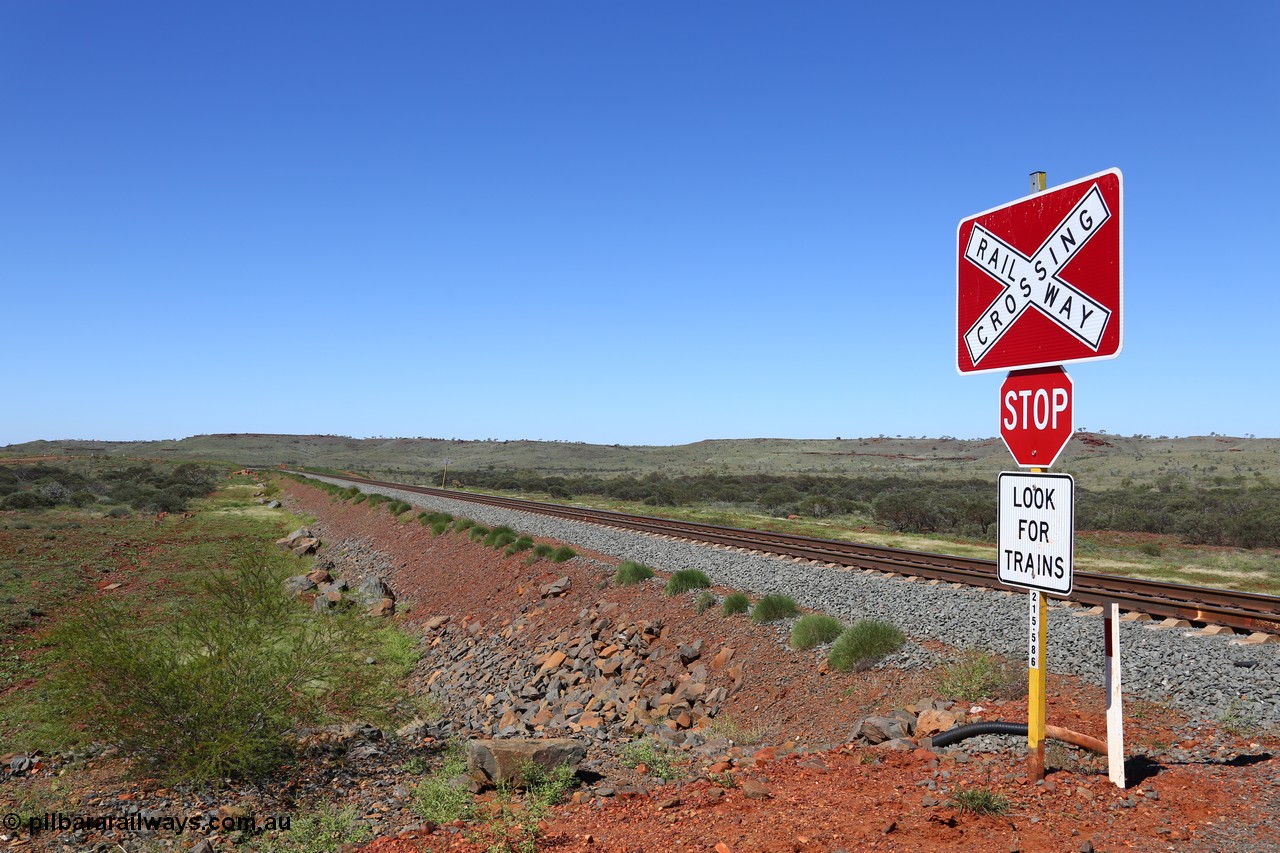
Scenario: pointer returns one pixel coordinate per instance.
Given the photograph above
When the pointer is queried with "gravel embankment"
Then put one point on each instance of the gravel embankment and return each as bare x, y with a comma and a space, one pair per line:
1207, 677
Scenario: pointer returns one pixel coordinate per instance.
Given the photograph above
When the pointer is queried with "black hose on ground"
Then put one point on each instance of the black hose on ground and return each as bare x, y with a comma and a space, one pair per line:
994, 727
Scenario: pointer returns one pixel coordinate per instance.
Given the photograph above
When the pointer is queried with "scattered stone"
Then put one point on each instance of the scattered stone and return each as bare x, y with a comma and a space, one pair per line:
497, 762
754, 789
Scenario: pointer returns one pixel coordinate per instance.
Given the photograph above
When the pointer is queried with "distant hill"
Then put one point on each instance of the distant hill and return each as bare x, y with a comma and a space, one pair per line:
1097, 460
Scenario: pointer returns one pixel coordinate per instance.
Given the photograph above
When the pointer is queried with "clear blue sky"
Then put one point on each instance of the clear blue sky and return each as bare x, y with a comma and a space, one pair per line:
645, 223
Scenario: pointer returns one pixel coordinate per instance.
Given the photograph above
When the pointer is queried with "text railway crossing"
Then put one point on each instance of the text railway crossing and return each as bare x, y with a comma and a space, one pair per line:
1036, 280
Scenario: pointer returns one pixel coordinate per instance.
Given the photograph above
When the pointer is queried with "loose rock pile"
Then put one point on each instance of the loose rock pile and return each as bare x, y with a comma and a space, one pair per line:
605, 675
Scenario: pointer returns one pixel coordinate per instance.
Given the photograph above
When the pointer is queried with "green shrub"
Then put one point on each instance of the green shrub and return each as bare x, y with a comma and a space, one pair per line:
706, 600
977, 674
210, 688
660, 759
119, 512
360, 498
443, 797
980, 801
477, 532
398, 508
735, 602
326, 830
541, 551
492, 537
500, 537
862, 645
771, 608
463, 524
630, 573
685, 580
814, 629
563, 554
376, 500
522, 543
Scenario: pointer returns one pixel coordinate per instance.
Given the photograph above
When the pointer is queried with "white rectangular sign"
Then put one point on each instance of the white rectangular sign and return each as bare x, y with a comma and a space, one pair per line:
1035, 539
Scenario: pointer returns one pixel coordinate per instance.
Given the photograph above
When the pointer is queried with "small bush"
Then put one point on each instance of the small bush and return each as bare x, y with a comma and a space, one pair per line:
563, 554
814, 630
208, 691
377, 500
360, 498
980, 801
1151, 549
463, 524
119, 512
326, 830
862, 645
706, 600
976, 674
522, 543
771, 608
443, 797
657, 758
685, 580
630, 573
541, 551
398, 508
500, 537
734, 603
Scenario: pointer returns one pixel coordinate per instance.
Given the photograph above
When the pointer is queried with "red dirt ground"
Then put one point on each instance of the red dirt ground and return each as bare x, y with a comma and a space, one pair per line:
827, 794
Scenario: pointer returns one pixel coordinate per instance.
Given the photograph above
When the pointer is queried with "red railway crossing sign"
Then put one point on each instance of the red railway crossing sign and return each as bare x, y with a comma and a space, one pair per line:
1037, 416
1039, 281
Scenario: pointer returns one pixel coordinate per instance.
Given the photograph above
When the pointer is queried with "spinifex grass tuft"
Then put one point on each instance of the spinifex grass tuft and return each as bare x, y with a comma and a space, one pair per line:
771, 608
814, 629
862, 645
685, 580
735, 603
630, 573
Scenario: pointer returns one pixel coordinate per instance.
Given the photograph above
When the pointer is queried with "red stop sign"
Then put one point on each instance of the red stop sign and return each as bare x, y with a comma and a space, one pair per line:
1036, 418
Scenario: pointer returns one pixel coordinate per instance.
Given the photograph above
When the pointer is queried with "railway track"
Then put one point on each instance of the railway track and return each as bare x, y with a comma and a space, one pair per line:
1243, 611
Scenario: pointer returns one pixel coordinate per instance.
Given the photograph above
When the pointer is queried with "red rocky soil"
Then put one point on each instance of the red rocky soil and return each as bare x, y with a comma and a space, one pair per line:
811, 788
622, 658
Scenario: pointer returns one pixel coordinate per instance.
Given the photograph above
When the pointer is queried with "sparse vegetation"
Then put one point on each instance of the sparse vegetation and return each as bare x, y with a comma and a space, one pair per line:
685, 580
814, 629
771, 608
442, 797
863, 644
977, 674
563, 553
980, 801
630, 573
1238, 719
658, 760
735, 603
541, 551
723, 725
706, 600
521, 544
326, 830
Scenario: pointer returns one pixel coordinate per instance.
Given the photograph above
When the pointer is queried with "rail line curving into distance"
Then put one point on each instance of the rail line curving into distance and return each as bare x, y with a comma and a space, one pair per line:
1244, 611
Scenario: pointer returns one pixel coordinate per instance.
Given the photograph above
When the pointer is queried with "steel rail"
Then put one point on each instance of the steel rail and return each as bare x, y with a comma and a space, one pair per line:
1246, 611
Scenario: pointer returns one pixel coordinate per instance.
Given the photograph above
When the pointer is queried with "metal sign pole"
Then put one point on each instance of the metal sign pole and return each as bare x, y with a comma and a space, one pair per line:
1039, 635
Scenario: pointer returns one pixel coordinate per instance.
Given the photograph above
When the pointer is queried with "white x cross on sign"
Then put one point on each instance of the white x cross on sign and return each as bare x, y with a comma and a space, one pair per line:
1035, 280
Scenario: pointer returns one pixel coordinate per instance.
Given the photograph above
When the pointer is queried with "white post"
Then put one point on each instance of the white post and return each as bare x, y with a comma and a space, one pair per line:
1115, 699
